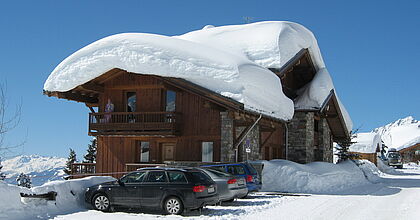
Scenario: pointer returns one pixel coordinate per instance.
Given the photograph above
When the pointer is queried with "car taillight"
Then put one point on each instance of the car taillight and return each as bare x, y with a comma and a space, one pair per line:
231, 181
249, 178
199, 188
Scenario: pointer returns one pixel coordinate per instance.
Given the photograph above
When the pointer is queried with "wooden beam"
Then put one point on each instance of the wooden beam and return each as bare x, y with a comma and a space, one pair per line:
93, 87
76, 97
132, 87
112, 74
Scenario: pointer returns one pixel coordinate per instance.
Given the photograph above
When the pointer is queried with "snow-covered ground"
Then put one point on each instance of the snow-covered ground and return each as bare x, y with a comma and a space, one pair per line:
379, 196
394, 197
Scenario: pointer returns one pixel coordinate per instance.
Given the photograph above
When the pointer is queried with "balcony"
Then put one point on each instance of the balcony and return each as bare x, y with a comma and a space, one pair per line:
80, 170
134, 123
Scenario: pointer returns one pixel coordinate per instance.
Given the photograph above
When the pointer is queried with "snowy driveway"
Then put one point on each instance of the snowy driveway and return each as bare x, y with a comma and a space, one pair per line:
396, 197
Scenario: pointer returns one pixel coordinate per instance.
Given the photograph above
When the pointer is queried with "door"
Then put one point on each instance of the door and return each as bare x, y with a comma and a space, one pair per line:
153, 188
128, 194
168, 151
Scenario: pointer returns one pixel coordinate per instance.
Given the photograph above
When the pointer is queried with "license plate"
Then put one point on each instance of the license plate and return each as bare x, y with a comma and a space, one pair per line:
210, 190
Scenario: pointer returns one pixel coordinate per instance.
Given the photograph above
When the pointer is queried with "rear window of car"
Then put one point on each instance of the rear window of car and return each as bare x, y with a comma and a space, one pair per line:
218, 173
236, 170
177, 177
200, 177
219, 168
252, 169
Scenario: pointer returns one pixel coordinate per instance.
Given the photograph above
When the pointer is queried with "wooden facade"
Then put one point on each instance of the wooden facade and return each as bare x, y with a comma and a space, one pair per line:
411, 154
176, 135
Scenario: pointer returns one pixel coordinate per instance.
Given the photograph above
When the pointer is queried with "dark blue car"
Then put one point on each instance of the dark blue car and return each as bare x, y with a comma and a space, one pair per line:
246, 170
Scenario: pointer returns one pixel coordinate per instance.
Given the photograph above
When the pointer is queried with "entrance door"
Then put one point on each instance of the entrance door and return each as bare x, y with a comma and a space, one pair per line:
168, 151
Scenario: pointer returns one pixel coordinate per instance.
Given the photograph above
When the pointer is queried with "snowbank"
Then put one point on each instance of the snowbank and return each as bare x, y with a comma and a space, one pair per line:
230, 75
270, 44
70, 198
365, 143
316, 177
386, 169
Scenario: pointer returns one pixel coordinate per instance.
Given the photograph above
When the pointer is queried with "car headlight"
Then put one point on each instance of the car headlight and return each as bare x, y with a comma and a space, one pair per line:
87, 189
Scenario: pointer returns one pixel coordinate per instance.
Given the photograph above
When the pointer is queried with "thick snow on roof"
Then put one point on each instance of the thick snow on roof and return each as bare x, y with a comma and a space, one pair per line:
270, 44
313, 95
365, 143
230, 75
400, 134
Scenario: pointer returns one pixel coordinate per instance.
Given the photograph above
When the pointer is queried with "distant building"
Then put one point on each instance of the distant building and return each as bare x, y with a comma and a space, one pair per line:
367, 146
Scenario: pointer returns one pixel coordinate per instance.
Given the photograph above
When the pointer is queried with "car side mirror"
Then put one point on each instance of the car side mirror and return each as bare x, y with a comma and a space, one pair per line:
121, 183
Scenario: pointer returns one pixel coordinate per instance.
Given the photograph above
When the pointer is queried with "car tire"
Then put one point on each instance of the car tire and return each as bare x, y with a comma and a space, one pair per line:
101, 202
173, 206
230, 200
244, 197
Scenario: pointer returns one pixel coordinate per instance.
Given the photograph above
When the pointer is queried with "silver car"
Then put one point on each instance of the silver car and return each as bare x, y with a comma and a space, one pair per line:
229, 187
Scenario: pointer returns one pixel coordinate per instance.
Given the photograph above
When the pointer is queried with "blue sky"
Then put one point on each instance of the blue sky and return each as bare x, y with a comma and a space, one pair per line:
371, 49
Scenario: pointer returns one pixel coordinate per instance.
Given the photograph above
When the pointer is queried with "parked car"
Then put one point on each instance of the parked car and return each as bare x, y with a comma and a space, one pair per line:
169, 189
394, 158
229, 187
246, 170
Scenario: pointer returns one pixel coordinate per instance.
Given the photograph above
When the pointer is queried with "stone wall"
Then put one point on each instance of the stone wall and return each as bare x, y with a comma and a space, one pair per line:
301, 144
227, 146
254, 142
227, 153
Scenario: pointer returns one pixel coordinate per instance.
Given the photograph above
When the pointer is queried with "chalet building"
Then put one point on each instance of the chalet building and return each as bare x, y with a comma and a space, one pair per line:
411, 154
367, 145
156, 105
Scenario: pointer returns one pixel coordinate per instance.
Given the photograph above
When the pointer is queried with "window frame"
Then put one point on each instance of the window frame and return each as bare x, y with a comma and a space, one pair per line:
202, 151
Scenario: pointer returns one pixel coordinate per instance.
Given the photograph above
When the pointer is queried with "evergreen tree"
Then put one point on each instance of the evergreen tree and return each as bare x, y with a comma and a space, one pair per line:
70, 160
24, 180
343, 148
2, 175
90, 156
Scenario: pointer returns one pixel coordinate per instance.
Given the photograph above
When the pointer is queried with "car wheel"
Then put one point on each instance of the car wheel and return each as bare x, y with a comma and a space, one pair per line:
101, 202
243, 197
173, 206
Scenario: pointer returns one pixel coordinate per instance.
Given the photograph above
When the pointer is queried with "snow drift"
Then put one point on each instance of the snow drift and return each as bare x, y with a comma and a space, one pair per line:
315, 177
230, 75
70, 198
270, 44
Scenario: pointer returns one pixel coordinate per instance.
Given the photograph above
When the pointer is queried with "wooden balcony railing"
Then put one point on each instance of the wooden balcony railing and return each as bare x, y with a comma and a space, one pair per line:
80, 170
150, 123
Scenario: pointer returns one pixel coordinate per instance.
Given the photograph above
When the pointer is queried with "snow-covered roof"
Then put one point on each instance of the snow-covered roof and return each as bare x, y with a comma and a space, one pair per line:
228, 74
400, 134
365, 143
314, 94
270, 44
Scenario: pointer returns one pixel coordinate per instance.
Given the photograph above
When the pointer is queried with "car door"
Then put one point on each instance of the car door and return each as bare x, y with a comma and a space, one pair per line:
129, 192
153, 188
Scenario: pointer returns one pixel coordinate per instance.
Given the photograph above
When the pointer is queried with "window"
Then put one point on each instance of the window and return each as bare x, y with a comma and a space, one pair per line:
156, 176
131, 101
136, 177
200, 177
316, 125
417, 152
170, 101
236, 170
144, 151
207, 151
177, 177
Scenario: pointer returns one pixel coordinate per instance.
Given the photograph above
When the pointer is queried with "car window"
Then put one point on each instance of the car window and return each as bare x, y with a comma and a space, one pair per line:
200, 177
135, 177
156, 176
252, 169
219, 168
218, 173
177, 177
236, 170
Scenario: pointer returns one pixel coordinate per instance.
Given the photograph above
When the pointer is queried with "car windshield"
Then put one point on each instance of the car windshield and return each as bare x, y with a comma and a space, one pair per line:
394, 155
